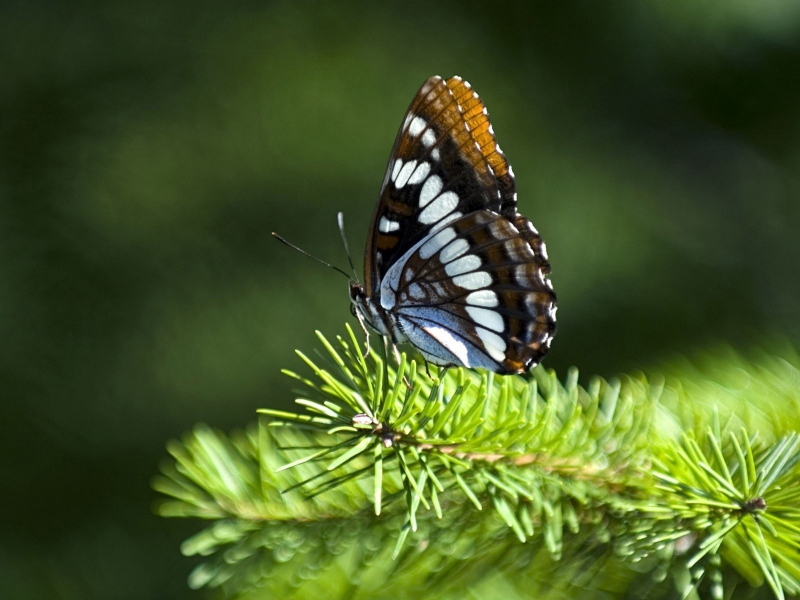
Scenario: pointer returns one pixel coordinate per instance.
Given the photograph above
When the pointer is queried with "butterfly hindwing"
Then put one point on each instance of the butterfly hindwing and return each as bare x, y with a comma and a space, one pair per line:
477, 290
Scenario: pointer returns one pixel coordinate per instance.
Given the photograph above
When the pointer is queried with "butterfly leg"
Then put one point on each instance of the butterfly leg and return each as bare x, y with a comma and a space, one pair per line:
366, 345
396, 353
397, 358
441, 374
360, 318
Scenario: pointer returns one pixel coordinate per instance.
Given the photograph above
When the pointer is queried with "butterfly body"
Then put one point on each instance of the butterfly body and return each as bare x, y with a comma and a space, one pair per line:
450, 265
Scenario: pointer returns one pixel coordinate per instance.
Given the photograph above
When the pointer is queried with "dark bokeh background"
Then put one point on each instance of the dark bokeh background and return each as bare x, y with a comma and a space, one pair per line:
147, 150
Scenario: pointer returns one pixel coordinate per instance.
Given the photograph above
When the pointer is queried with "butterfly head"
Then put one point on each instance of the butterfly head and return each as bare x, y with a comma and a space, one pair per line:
366, 310
360, 305
358, 298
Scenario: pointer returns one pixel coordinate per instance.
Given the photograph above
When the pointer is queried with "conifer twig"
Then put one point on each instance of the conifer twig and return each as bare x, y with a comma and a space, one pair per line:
451, 475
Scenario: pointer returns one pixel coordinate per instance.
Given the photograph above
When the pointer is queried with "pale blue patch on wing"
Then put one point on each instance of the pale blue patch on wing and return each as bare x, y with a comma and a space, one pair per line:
440, 338
390, 284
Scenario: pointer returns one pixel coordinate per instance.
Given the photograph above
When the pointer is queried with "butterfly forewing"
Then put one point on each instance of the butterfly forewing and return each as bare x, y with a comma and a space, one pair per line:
450, 265
445, 163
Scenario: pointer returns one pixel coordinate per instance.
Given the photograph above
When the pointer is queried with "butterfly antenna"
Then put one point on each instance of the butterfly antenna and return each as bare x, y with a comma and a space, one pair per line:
301, 251
340, 219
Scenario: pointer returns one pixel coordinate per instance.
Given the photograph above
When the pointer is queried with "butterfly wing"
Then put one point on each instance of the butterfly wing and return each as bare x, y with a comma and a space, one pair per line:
445, 163
475, 293
455, 269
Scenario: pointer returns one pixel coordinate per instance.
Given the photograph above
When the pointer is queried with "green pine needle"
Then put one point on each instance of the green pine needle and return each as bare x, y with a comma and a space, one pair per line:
462, 473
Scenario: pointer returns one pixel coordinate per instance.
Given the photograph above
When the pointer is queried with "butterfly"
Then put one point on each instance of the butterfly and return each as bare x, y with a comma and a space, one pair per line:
450, 266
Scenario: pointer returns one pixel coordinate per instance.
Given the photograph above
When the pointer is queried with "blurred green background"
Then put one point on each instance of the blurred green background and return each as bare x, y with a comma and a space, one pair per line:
148, 149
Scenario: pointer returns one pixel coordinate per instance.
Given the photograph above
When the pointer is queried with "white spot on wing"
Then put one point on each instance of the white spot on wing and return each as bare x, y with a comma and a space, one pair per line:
453, 250
439, 208
435, 154
416, 292
387, 226
543, 248
473, 281
465, 264
436, 242
494, 344
486, 318
483, 298
398, 164
416, 126
430, 190
405, 173
453, 216
456, 347
429, 138
420, 173
388, 297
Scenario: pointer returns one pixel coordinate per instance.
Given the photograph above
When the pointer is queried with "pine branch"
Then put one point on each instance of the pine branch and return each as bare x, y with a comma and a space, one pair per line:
462, 474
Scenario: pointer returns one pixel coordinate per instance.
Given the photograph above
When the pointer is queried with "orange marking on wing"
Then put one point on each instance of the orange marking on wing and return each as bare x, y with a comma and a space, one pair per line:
513, 366
387, 242
400, 208
472, 111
